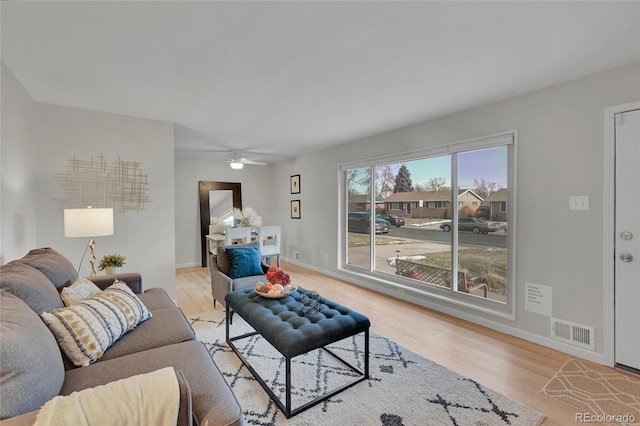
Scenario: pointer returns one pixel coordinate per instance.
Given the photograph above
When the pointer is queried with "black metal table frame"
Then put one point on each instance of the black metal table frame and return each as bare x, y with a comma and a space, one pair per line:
286, 408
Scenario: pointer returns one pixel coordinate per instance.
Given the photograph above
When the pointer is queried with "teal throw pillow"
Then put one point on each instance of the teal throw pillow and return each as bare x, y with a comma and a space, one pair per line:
244, 262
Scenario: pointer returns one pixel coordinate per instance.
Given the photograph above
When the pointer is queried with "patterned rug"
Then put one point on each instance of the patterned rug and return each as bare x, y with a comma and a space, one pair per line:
599, 393
403, 389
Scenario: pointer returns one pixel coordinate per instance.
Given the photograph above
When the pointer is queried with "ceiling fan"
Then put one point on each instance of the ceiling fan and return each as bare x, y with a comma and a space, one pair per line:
239, 162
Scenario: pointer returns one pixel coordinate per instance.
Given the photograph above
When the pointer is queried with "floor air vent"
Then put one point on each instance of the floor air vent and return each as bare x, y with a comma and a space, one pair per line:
575, 334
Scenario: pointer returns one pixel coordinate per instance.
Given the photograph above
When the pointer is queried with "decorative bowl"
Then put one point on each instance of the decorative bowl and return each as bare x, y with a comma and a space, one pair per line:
287, 292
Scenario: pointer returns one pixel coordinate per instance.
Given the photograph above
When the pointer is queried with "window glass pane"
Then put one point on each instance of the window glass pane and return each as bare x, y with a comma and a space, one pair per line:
358, 183
416, 201
411, 238
482, 237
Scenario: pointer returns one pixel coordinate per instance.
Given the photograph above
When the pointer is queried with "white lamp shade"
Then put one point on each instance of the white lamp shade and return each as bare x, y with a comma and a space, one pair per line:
88, 222
235, 164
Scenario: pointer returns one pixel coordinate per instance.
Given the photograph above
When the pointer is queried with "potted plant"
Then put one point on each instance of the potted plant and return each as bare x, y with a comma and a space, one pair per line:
112, 263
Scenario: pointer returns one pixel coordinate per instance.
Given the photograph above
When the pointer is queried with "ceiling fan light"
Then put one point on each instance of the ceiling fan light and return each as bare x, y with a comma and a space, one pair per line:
236, 164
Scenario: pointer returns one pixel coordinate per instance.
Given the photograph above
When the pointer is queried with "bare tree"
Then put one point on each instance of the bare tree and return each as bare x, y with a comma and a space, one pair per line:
485, 189
385, 178
357, 181
436, 184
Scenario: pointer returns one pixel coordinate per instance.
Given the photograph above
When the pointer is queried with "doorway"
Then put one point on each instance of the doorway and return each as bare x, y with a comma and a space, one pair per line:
623, 251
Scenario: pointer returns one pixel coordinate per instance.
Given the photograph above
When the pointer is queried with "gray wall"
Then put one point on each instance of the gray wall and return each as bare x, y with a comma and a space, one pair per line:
18, 193
57, 134
256, 193
560, 153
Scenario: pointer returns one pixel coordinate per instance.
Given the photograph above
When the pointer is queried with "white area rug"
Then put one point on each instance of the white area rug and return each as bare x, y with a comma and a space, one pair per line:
403, 389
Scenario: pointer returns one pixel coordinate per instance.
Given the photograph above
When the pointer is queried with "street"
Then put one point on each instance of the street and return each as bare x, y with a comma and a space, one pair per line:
497, 239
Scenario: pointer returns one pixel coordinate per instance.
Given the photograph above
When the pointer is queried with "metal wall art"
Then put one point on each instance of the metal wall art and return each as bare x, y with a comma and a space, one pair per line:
121, 185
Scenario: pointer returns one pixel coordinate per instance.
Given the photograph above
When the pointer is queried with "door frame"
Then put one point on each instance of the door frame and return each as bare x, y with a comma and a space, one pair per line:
609, 227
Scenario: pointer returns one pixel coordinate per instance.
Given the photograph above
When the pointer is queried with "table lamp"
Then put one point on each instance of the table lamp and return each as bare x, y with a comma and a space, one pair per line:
90, 223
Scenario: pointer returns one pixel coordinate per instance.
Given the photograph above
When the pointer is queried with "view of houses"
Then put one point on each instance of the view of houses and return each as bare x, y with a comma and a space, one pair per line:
418, 243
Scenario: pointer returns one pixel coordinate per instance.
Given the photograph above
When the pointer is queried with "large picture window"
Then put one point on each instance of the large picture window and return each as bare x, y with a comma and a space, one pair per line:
436, 221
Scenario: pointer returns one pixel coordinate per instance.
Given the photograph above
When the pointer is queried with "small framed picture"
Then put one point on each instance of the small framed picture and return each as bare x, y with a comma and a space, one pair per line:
295, 184
295, 209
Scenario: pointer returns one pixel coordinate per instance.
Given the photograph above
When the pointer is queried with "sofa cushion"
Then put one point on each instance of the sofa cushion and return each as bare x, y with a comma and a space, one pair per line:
31, 371
222, 260
213, 401
85, 330
30, 285
79, 290
185, 412
168, 326
150, 399
55, 266
156, 298
244, 262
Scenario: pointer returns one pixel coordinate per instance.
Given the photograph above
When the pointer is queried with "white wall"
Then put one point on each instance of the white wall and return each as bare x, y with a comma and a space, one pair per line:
146, 238
256, 193
560, 153
18, 193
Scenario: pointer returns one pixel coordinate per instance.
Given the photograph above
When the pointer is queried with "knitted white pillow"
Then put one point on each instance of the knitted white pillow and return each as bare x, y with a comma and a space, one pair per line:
79, 290
85, 330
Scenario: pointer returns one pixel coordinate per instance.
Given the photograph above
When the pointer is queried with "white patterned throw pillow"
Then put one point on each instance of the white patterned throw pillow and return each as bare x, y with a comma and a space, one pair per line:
87, 329
79, 290
123, 293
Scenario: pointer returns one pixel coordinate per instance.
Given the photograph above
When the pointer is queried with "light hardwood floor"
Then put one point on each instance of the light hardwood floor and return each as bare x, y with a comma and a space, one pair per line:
509, 365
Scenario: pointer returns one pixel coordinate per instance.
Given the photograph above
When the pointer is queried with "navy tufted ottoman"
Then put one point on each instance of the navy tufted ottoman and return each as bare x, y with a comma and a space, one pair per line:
290, 332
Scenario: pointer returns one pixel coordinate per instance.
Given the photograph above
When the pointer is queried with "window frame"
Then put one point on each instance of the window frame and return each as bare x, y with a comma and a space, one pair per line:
406, 286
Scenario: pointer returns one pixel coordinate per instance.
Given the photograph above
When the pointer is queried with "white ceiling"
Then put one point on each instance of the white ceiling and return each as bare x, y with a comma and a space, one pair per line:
276, 79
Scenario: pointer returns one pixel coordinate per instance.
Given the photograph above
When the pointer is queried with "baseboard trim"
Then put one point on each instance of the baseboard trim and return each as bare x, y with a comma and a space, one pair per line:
187, 265
512, 331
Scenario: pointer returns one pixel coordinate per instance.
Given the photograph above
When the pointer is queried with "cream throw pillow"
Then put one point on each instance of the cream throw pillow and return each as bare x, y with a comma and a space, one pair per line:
85, 330
79, 290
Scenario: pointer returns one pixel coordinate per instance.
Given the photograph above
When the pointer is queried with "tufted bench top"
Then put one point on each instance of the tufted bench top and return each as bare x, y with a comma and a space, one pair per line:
283, 325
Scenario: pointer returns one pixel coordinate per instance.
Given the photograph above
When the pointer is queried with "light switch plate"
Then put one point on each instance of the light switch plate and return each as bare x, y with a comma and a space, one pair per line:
579, 202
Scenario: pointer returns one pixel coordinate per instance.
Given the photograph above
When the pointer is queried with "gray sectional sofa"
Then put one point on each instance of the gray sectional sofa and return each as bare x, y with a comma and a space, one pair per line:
33, 369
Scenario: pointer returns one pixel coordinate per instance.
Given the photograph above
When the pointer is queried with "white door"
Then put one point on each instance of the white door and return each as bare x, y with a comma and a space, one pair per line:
627, 239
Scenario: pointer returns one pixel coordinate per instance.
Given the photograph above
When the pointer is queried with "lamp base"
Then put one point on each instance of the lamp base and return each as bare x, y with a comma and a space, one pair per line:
92, 258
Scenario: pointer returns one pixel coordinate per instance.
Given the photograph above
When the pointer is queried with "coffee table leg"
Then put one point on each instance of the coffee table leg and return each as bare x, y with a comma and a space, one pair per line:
288, 387
366, 354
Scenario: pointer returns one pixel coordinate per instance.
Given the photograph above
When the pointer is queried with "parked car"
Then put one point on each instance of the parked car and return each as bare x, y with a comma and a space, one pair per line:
361, 222
483, 212
473, 224
397, 221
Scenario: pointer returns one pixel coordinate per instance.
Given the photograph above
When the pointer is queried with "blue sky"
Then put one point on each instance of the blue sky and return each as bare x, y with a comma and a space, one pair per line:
490, 164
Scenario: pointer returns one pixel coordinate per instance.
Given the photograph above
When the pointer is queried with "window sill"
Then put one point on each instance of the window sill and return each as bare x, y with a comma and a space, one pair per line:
430, 297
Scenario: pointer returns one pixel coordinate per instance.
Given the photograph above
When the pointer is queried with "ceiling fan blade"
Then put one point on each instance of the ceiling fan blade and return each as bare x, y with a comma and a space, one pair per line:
253, 163
246, 161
